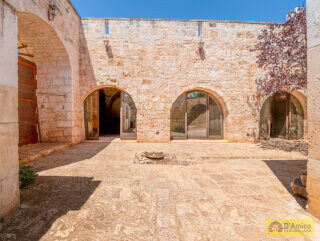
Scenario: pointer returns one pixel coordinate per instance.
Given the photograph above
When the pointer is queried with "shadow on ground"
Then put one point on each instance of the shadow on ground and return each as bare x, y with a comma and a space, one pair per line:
286, 171
51, 197
43, 202
70, 155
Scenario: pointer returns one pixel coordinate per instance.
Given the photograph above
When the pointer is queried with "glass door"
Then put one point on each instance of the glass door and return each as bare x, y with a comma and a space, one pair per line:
197, 115
215, 119
296, 120
128, 118
91, 115
178, 118
264, 125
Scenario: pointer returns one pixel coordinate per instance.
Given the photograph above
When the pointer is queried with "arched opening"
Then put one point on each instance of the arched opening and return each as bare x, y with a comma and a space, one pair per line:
196, 115
110, 113
282, 116
45, 83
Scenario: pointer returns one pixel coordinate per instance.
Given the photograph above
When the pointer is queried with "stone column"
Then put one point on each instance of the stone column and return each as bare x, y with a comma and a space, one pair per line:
9, 133
313, 183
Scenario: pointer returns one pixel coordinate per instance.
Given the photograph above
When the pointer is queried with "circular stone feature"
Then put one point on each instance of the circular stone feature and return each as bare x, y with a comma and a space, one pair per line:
155, 158
155, 155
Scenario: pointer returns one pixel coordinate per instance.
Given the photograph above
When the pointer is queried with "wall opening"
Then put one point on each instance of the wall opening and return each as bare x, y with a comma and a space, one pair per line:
110, 113
196, 115
107, 28
109, 109
199, 29
282, 116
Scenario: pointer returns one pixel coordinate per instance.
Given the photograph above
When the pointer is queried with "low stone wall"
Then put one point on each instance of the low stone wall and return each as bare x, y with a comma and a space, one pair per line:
285, 145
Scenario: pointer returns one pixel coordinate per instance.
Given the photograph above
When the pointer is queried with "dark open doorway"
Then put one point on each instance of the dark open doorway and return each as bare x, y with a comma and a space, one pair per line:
109, 112
279, 110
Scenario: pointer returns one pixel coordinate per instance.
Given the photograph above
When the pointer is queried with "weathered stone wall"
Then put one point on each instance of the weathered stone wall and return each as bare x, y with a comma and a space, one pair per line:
313, 182
155, 61
55, 47
9, 185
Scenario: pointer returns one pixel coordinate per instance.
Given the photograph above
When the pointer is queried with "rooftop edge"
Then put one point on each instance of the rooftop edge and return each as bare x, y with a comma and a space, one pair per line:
74, 9
179, 20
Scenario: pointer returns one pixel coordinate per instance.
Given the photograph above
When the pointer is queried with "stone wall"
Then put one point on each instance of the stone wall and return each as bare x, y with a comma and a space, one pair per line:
313, 182
9, 136
54, 46
155, 61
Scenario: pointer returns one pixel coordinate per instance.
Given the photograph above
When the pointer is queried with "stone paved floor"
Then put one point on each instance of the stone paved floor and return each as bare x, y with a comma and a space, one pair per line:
221, 191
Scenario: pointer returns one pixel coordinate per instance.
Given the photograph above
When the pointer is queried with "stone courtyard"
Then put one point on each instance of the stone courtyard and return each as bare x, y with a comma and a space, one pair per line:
81, 96
218, 191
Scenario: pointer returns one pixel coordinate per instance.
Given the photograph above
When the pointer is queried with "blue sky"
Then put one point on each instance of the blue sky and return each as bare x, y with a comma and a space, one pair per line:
249, 10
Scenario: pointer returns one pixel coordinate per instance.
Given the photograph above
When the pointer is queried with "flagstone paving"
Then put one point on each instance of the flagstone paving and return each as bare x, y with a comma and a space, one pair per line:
219, 191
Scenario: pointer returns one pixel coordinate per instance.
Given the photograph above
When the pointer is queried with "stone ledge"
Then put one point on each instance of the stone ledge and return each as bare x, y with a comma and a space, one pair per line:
35, 151
300, 146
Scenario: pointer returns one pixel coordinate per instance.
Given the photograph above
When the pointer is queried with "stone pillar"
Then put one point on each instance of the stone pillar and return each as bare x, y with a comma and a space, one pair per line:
9, 133
313, 183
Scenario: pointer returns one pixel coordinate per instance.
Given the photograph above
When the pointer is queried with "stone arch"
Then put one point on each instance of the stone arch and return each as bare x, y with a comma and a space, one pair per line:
211, 109
96, 127
95, 88
54, 76
297, 94
39, 8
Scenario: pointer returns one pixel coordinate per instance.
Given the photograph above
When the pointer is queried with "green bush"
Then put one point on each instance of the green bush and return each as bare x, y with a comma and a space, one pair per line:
26, 175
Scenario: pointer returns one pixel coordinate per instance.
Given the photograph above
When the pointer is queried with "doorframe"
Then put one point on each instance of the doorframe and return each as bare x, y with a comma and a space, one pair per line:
97, 135
208, 95
121, 119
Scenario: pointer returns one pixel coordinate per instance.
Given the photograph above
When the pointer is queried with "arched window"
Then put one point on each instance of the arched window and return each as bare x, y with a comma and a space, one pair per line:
196, 115
110, 112
282, 116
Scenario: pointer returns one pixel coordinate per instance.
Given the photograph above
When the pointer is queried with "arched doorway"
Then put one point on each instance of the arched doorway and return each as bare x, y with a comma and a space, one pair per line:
110, 112
282, 116
196, 115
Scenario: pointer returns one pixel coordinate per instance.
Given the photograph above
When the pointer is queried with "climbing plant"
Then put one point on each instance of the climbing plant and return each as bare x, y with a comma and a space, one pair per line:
282, 54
